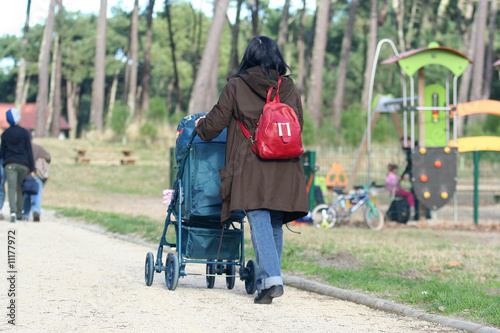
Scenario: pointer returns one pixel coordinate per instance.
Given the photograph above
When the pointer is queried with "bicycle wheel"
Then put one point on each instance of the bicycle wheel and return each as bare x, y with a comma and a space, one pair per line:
374, 219
323, 216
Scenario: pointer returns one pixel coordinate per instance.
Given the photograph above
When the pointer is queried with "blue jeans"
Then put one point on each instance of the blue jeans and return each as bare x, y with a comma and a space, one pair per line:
32, 201
266, 228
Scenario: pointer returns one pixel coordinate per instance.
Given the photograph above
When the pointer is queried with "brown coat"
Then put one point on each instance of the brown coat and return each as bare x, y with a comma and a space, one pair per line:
247, 181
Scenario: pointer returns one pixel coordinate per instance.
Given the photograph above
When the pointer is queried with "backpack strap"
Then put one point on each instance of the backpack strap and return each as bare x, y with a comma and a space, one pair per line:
270, 91
246, 133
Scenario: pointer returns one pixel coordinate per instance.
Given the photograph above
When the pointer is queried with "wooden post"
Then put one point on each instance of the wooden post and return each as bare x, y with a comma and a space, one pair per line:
397, 124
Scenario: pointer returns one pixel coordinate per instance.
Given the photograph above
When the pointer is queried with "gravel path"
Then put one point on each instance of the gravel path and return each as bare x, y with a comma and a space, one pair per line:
70, 279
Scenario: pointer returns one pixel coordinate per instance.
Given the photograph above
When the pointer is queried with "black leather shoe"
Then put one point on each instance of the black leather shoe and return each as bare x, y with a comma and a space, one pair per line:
266, 296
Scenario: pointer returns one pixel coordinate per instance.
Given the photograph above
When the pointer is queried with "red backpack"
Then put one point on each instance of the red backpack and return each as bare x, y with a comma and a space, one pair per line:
277, 135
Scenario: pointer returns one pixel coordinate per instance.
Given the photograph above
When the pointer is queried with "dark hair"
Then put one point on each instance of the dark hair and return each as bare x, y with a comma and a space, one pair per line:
392, 167
262, 51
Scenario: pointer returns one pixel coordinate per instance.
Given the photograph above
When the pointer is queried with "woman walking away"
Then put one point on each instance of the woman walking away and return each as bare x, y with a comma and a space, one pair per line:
272, 192
17, 160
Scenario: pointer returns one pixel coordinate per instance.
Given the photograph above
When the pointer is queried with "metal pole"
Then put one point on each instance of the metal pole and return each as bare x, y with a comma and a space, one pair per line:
455, 116
312, 189
172, 167
448, 111
412, 113
476, 185
370, 96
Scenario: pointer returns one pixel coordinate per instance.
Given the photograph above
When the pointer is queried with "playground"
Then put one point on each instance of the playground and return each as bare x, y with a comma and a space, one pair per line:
452, 177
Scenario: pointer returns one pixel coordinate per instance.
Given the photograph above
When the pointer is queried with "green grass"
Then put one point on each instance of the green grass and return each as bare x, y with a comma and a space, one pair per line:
140, 226
470, 291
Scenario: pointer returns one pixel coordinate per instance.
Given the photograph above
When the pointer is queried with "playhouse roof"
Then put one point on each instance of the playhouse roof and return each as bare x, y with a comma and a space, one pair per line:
28, 116
413, 60
496, 63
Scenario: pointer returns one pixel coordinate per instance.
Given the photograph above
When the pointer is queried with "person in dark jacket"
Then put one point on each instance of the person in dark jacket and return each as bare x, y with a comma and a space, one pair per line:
272, 192
17, 161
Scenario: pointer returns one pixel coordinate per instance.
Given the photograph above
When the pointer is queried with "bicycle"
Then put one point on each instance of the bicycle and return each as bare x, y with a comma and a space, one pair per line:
324, 215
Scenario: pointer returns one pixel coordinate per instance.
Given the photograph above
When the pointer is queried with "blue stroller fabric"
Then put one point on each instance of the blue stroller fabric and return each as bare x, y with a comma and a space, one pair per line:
185, 130
199, 165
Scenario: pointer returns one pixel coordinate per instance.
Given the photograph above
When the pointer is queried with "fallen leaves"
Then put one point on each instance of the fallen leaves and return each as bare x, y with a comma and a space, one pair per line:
453, 263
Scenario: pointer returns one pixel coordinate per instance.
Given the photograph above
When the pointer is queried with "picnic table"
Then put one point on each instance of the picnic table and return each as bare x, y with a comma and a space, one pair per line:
85, 155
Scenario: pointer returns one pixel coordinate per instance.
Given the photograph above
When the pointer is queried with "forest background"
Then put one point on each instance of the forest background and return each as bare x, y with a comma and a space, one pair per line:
152, 66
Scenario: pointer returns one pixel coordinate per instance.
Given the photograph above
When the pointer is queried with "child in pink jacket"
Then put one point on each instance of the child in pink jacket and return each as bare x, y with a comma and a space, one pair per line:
392, 180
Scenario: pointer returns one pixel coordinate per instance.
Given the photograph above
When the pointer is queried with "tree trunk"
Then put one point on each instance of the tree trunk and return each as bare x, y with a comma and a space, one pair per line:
338, 102
112, 97
179, 105
26, 89
443, 4
399, 10
53, 82
126, 76
310, 40
478, 45
425, 25
134, 51
43, 74
370, 53
170, 92
469, 36
146, 78
56, 123
301, 49
204, 93
72, 92
198, 28
254, 5
284, 27
234, 60
288, 53
315, 101
411, 24
477, 78
489, 53
98, 86
383, 13
21, 77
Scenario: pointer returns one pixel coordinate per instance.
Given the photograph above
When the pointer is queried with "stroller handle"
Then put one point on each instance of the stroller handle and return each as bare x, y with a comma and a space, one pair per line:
192, 138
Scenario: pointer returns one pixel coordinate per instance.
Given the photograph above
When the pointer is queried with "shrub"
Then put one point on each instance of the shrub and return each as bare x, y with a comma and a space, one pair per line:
148, 131
157, 109
119, 118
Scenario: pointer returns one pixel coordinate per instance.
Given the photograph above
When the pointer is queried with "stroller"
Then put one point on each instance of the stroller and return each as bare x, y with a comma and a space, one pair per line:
196, 206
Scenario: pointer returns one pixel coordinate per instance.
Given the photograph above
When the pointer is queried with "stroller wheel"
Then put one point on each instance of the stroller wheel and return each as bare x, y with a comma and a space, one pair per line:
250, 281
172, 271
210, 279
149, 269
230, 270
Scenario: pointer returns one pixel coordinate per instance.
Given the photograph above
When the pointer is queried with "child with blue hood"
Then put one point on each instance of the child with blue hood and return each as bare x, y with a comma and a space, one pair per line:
17, 159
